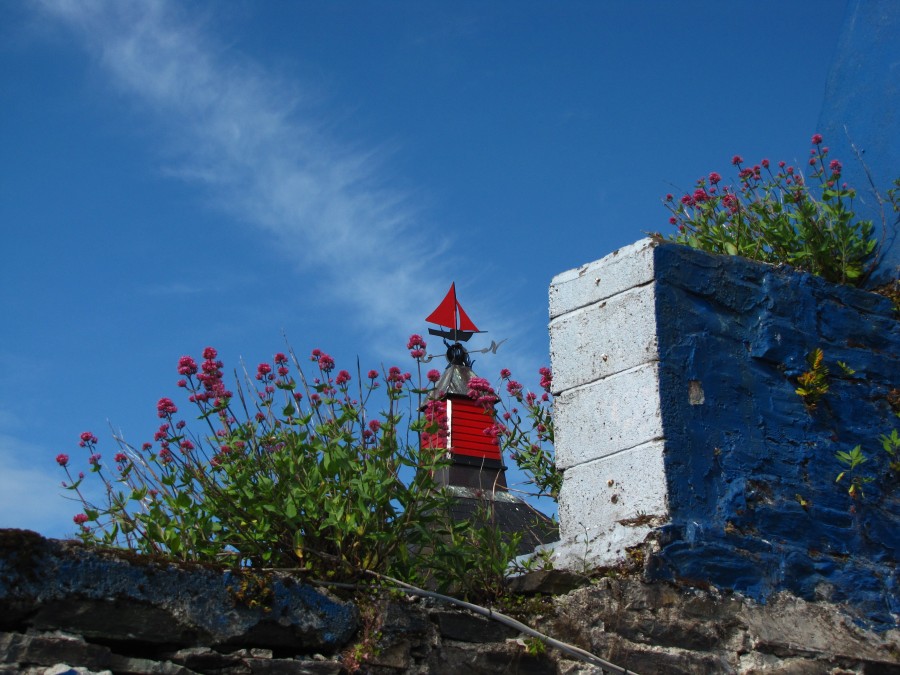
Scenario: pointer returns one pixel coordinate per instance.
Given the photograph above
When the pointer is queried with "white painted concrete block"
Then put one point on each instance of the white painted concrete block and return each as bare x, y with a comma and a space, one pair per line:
608, 416
611, 504
603, 338
626, 268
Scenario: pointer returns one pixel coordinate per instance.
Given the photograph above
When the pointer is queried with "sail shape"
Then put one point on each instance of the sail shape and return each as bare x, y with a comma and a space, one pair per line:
450, 314
465, 323
445, 314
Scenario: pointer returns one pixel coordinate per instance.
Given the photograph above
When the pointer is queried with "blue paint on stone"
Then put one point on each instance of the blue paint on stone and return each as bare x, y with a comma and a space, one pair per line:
736, 463
63, 584
862, 100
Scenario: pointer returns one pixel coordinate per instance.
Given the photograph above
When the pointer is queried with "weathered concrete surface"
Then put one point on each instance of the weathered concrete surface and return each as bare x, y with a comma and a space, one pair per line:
703, 436
53, 585
610, 505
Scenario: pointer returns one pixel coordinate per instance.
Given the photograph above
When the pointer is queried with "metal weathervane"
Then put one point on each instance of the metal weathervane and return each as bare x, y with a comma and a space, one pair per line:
456, 325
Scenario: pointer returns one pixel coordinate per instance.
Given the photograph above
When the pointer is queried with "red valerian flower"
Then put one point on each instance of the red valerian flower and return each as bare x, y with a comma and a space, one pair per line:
435, 414
281, 359
210, 354
80, 519
416, 346
714, 178
62, 459
372, 374
546, 378
165, 406
187, 366
505, 373
263, 371
687, 200
342, 378
730, 202
326, 363
94, 459
816, 139
835, 166
415, 340
374, 425
765, 163
120, 457
482, 392
433, 375
736, 160
86, 438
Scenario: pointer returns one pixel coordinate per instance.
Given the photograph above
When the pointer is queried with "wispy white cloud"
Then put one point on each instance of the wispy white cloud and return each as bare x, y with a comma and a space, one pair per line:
264, 150
29, 497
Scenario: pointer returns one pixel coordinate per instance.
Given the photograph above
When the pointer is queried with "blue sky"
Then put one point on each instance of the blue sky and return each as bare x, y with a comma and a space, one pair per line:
177, 175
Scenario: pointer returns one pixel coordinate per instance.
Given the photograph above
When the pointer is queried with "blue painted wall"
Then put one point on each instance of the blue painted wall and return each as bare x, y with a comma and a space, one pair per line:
862, 105
737, 462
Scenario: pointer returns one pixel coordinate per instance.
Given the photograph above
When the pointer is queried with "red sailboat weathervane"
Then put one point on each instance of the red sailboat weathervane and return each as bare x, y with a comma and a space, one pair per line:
451, 315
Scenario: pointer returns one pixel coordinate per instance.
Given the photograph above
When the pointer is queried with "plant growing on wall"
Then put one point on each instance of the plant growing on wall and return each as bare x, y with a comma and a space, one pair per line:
288, 470
813, 385
526, 430
776, 214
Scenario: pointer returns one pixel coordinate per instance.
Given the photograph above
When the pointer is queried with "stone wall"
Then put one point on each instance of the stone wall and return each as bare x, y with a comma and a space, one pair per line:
65, 609
677, 419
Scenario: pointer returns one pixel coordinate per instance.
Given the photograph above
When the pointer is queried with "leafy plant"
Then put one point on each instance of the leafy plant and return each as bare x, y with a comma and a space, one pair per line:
891, 445
777, 216
814, 382
291, 470
853, 460
526, 430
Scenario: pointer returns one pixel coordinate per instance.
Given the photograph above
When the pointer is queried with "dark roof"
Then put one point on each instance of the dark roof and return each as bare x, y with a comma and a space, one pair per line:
510, 513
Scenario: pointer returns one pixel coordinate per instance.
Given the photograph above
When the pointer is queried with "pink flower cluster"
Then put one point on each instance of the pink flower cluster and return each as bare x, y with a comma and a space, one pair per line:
481, 391
210, 378
435, 413
187, 366
396, 378
324, 361
416, 346
165, 407
546, 378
